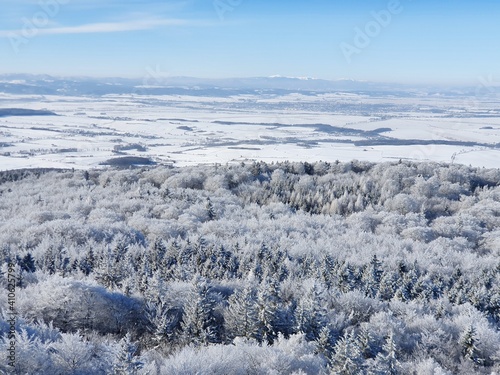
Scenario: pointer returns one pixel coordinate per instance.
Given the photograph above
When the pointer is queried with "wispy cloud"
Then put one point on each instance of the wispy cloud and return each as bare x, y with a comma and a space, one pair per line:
106, 27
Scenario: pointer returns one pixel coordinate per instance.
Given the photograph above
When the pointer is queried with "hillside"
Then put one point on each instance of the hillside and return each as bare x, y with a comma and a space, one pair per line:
316, 268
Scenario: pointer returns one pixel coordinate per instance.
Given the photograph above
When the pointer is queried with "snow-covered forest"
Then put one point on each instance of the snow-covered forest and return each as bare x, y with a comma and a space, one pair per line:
289, 268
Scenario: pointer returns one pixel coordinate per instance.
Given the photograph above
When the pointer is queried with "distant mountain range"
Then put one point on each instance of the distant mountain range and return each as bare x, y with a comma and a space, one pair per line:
155, 84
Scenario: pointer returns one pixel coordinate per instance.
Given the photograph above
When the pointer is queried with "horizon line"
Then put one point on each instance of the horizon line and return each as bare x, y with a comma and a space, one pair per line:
479, 81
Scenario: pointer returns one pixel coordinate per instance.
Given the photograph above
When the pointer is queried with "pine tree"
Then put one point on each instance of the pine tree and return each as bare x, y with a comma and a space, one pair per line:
406, 291
49, 260
119, 250
327, 271
365, 342
310, 314
109, 271
88, 263
186, 254
267, 306
372, 277
347, 358
210, 210
468, 344
386, 362
199, 323
144, 275
162, 324
347, 278
242, 318
126, 362
169, 265
158, 254
325, 343
27, 263
264, 254
74, 265
233, 267
388, 286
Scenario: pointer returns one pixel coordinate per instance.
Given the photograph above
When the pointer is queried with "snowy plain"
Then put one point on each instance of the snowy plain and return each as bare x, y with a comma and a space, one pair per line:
192, 127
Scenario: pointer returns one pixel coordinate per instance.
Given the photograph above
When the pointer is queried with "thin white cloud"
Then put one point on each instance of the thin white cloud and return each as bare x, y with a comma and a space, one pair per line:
104, 27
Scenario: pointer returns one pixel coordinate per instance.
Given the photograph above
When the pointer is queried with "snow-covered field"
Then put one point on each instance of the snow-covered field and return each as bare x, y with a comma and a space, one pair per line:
192, 129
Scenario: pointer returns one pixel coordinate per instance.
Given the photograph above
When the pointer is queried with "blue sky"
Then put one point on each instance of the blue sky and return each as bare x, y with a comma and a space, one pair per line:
419, 41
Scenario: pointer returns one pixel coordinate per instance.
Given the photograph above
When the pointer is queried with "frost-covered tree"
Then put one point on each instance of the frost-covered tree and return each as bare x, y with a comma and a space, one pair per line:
372, 277
310, 315
349, 250
386, 362
163, 322
468, 344
199, 323
126, 361
242, 315
267, 311
366, 343
73, 355
210, 210
27, 263
325, 342
347, 357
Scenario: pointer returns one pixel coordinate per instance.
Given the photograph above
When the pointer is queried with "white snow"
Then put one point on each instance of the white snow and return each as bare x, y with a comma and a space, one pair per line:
187, 130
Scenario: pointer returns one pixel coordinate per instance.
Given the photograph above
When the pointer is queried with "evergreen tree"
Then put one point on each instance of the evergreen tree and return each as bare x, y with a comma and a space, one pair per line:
109, 270
162, 324
169, 265
119, 250
267, 307
372, 277
310, 314
88, 263
365, 342
49, 260
327, 271
325, 343
347, 278
386, 362
158, 254
468, 343
199, 324
27, 263
210, 210
347, 358
242, 318
126, 361
388, 286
